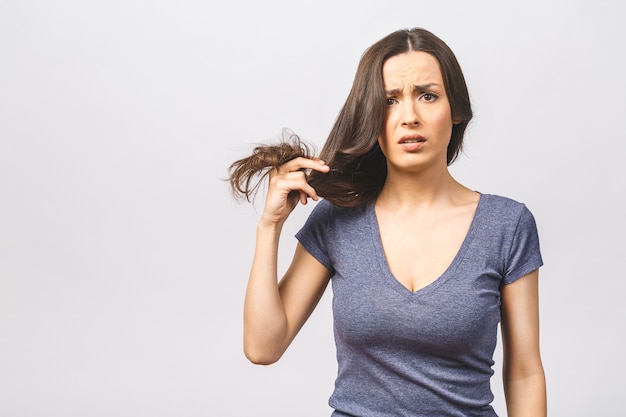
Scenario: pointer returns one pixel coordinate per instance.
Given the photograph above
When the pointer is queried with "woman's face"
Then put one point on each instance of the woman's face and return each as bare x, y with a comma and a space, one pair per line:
418, 122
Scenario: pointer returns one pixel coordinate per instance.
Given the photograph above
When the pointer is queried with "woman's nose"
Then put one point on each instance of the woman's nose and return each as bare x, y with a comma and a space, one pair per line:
410, 117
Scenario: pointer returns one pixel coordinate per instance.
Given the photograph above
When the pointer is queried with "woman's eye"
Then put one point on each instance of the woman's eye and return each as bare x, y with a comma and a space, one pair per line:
428, 97
391, 101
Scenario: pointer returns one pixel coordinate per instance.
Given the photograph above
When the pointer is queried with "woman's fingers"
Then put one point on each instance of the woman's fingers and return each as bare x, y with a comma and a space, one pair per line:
298, 164
288, 185
294, 181
294, 177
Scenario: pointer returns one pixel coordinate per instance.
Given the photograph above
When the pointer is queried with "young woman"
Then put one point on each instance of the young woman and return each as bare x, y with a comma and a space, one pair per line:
422, 268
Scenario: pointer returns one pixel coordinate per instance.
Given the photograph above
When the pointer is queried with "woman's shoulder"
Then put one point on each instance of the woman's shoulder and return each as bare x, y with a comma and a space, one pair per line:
333, 215
335, 223
502, 208
500, 201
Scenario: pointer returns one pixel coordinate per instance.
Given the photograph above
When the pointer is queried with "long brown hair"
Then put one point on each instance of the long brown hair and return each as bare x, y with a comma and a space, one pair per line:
358, 168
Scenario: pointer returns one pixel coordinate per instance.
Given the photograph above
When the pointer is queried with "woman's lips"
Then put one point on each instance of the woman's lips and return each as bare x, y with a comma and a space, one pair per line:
411, 143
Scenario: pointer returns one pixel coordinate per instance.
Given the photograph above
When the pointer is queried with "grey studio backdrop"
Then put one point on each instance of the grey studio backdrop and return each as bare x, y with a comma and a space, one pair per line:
123, 258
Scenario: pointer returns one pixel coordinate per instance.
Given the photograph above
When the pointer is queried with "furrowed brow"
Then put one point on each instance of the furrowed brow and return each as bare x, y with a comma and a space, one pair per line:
424, 87
419, 87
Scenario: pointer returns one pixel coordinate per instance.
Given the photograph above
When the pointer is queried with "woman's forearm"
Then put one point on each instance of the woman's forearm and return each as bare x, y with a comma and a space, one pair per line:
265, 323
526, 395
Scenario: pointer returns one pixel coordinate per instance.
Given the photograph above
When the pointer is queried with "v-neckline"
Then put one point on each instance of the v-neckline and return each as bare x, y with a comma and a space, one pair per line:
456, 260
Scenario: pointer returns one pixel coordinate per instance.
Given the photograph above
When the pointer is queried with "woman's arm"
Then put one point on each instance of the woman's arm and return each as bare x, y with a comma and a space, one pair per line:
524, 378
273, 312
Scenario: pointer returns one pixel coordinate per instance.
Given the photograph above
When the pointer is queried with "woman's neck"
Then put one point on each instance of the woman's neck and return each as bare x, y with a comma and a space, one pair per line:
432, 188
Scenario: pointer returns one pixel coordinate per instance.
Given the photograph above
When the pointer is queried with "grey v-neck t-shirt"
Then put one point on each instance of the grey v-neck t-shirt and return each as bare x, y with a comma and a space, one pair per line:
428, 352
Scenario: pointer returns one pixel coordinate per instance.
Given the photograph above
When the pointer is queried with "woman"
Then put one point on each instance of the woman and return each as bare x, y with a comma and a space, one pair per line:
423, 268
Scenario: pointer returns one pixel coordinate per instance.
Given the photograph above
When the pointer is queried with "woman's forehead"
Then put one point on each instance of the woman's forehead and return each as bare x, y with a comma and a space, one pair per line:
415, 68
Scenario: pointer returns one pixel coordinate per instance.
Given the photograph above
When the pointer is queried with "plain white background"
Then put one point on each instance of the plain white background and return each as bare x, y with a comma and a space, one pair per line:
123, 258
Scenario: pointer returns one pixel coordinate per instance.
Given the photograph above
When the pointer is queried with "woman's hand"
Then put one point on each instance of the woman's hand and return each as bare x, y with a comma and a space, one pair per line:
288, 185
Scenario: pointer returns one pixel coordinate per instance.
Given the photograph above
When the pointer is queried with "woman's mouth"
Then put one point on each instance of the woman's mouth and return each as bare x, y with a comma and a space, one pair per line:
411, 143
412, 139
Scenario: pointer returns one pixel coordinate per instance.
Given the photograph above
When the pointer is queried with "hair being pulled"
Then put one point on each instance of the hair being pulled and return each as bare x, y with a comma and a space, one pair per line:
246, 174
337, 186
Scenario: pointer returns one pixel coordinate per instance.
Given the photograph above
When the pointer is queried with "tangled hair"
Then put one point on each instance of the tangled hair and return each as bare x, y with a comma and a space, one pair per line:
358, 168
246, 174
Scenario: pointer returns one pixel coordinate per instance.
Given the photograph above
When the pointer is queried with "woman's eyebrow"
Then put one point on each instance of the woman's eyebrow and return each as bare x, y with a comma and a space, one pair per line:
424, 86
417, 87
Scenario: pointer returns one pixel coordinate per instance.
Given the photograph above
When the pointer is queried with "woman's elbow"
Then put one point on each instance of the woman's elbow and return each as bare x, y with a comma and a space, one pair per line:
261, 356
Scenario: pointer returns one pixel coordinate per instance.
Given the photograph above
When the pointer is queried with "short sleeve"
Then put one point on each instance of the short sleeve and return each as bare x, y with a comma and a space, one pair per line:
525, 254
313, 235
